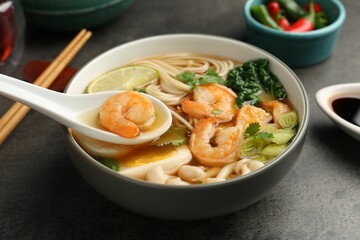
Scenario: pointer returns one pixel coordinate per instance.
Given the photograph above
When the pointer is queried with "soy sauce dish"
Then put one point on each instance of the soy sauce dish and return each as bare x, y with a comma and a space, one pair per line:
341, 103
197, 199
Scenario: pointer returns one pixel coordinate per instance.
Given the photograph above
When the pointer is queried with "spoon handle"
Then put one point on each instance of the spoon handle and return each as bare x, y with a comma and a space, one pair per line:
38, 98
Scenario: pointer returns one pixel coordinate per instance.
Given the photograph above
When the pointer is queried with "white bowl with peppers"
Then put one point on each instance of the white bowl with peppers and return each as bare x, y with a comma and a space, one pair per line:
299, 32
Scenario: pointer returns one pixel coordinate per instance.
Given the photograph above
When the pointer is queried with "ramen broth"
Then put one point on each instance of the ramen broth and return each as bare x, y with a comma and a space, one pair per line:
134, 155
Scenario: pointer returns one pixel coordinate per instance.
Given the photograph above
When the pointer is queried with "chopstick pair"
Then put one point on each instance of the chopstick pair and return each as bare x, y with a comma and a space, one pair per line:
18, 111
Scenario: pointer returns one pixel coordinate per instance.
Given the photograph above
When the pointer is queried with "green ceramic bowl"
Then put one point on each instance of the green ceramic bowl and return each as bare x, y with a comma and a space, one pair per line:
62, 5
63, 16
297, 49
54, 5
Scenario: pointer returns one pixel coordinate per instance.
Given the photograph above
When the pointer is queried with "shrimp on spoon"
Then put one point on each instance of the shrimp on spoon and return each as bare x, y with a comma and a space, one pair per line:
127, 113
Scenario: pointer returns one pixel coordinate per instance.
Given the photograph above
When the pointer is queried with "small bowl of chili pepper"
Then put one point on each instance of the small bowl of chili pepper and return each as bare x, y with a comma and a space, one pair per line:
299, 32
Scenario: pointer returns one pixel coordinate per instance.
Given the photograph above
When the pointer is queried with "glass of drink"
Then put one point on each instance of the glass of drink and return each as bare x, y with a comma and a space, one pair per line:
12, 31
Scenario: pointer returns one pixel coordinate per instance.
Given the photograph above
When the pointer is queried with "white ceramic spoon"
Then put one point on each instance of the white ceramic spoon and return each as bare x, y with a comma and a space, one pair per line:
67, 109
327, 95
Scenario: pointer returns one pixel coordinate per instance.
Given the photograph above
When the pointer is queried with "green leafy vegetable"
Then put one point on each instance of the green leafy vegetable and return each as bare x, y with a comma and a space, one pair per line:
174, 136
252, 129
187, 77
209, 77
110, 163
249, 79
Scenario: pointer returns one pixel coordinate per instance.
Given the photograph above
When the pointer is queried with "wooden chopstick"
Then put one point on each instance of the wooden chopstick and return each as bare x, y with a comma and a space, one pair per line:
18, 111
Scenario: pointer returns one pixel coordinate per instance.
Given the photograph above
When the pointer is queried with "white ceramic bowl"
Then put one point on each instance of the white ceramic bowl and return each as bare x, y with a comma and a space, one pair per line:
196, 201
327, 95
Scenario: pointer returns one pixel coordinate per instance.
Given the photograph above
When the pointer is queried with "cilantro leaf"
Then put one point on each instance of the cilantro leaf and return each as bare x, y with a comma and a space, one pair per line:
187, 77
209, 76
264, 135
110, 163
252, 129
142, 90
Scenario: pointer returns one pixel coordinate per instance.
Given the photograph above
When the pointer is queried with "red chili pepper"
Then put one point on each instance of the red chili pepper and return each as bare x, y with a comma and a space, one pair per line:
306, 23
284, 23
277, 14
274, 9
317, 8
301, 25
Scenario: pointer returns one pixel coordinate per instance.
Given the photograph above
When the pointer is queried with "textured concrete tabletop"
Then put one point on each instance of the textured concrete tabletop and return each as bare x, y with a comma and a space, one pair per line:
43, 197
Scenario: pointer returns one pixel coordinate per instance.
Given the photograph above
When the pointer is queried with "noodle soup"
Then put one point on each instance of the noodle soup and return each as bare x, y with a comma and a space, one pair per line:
229, 119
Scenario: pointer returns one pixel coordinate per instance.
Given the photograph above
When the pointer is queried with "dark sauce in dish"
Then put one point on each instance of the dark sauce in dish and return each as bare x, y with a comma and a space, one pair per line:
348, 108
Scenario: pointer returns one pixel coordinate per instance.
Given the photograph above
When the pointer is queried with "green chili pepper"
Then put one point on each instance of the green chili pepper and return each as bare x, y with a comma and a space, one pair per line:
292, 9
321, 20
261, 14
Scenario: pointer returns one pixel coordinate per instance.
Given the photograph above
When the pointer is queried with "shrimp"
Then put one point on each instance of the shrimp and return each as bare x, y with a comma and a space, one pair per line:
251, 114
276, 108
210, 100
125, 114
227, 141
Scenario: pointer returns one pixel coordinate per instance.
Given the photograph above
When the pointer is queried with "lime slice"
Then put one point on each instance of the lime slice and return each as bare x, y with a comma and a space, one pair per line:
124, 78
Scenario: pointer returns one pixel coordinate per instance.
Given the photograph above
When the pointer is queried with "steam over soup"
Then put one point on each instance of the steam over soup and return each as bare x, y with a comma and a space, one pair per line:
229, 119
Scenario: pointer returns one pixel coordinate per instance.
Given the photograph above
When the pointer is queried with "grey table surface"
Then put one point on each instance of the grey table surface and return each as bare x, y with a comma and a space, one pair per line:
42, 196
